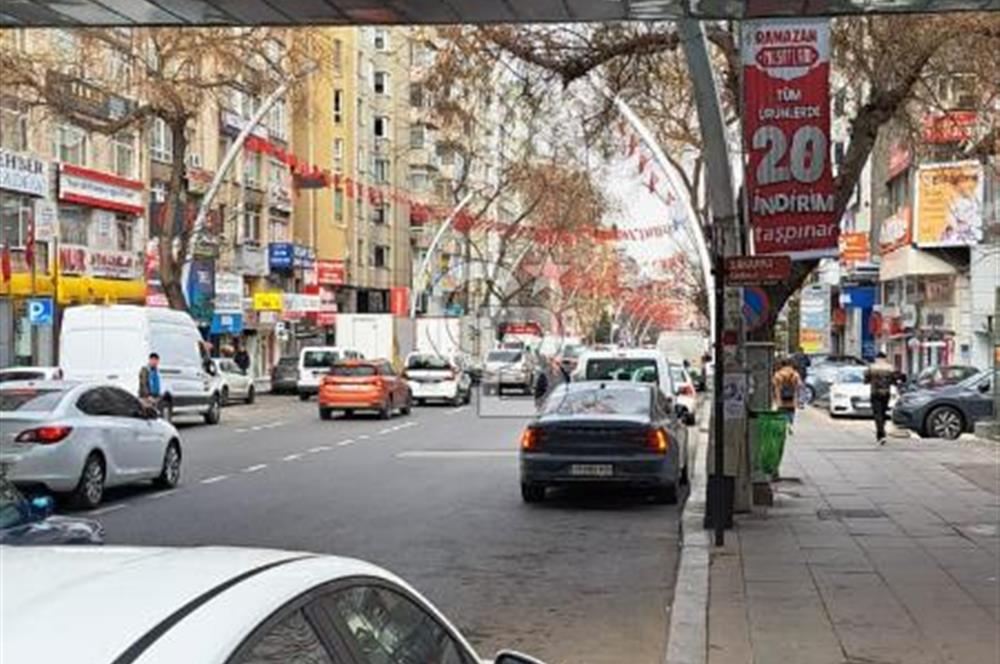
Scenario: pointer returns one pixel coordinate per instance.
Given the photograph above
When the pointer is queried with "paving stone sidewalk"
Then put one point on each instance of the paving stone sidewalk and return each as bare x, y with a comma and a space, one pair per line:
869, 555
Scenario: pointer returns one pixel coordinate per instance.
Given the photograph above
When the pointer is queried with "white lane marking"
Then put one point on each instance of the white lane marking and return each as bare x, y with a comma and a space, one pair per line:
272, 424
320, 448
214, 479
457, 410
254, 468
456, 454
385, 431
406, 426
240, 430
291, 457
364, 436
256, 428
108, 509
163, 494
345, 443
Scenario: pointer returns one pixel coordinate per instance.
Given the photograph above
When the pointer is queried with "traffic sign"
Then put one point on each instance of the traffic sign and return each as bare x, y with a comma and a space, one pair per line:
40, 311
756, 307
757, 270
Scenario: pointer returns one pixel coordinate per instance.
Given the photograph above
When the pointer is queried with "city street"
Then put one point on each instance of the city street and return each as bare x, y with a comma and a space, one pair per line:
433, 497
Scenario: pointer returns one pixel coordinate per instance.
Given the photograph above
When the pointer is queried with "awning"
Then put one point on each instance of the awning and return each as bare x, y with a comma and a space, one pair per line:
909, 261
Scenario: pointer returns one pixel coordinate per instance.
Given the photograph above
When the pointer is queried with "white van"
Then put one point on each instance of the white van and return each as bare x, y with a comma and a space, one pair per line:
112, 343
635, 364
315, 362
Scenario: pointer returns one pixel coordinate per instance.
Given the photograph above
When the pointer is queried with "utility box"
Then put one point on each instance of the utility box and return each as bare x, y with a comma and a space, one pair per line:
760, 365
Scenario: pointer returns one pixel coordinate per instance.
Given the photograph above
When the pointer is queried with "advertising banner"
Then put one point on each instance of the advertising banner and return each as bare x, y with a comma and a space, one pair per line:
228, 293
854, 248
786, 130
897, 231
814, 329
949, 204
101, 190
201, 290
268, 301
23, 173
330, 272
280, 256
399, 300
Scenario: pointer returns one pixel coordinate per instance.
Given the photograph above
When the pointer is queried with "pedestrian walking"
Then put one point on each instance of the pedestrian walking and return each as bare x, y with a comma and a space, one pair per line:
786, 383
880, 376
541, 387
242, 359
150, 388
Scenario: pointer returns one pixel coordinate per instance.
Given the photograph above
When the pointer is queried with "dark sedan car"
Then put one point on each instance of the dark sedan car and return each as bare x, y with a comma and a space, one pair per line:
946, 412
30, 521
596, 432
285, 376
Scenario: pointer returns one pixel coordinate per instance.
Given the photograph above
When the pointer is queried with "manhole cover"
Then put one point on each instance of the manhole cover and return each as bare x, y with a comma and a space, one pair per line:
827, 514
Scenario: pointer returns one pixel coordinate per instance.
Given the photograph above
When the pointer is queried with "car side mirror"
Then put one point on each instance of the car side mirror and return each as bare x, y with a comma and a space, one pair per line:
984, 387
41, 507
511, 657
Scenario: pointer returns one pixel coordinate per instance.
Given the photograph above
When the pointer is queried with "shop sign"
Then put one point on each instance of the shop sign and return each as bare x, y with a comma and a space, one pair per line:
399, 300
757, 270
114, 264
301, 303
201, 289
939, 318
72, 259
814, 329
23, 173
854, 248
896, 231
97, 189
949, 204
198, 180
330, 272
227, 323
786, 94
268, 318
280, 256
950, 127
46, 220
327, 314
303, 257
228, 293
267, 301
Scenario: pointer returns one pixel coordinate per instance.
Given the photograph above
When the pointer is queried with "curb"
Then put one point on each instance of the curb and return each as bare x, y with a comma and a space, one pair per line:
687, 632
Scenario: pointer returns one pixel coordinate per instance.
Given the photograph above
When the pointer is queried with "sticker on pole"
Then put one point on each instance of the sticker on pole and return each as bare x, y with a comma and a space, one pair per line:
786, 133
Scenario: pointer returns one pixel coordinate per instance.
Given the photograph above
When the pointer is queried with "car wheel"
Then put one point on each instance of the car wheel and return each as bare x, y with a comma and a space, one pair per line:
167, 410
809, 394
421, 402
251, 395
214, 412
945, 422
225, 396
532, 493
90, 489
408, 406
303, 396
385, 413
666, 495
325, 413
457, 399
170, 474
468, 396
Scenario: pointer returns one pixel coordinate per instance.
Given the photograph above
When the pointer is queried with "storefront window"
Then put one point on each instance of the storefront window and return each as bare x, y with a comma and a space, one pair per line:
14, 214
69, 144
73, 223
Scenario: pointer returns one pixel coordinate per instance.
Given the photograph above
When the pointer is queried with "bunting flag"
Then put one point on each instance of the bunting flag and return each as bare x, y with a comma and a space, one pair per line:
651, 185
5, 266
633, 144
643, 161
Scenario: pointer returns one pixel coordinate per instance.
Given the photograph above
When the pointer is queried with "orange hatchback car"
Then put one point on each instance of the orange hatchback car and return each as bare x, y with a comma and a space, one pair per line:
363, 385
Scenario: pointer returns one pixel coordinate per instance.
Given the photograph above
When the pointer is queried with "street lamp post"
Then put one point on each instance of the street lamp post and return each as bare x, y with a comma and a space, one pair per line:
431, 249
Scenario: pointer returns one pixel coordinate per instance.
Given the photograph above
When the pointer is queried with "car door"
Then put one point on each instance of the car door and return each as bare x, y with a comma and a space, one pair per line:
980, 403
147, 443
392, 383
114, 432
233, 379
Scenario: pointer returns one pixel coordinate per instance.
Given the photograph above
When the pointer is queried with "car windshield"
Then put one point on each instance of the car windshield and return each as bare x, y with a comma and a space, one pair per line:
287, 362
505, 356
851, 375
637, 370
427, 362
315, 359
352, 370
30, 399
599, 401
8, 376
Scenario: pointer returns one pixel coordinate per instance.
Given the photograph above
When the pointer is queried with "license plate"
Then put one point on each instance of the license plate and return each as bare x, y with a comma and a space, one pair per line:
592, 470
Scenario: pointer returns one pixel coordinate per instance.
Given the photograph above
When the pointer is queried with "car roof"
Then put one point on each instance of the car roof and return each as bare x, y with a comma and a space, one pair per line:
45, 384
588, 385
32, 368
624, 353
136, 590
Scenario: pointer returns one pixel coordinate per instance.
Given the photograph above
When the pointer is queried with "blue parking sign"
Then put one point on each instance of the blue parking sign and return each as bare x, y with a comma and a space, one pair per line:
40, 311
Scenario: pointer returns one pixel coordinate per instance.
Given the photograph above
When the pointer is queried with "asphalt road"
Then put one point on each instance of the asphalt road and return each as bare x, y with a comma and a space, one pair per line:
581, 579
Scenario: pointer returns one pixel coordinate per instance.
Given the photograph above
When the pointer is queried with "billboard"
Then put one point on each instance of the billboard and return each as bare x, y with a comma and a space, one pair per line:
949, 204
815, 324
786, 135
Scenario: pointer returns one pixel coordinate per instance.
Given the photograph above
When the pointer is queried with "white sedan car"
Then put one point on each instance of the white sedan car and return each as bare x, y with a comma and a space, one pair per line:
850, 396
233, 382
215, 606
78, 438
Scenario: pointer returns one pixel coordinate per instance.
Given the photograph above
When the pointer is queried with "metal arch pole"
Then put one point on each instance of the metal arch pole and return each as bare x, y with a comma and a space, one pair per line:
725, 235
431, 249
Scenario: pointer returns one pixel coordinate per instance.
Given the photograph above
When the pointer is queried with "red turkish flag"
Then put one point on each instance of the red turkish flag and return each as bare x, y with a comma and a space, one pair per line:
29, 245
5, 269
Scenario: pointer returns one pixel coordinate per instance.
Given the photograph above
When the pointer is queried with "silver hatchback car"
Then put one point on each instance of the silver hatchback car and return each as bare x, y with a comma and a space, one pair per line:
78, 438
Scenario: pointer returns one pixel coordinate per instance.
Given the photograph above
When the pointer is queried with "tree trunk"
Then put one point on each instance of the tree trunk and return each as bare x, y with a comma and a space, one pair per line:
174, 234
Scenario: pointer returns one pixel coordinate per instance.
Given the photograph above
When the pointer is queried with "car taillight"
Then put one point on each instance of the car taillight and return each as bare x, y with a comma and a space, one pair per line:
687, 390
657, 440
531, 438
43, 435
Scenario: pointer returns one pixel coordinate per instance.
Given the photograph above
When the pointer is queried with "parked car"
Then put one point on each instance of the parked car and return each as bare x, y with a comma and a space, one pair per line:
218, 606
432, 377
821, 375
112, 343
78, 438
509, 368
29, 521
353, 385
314, 363
569, 356
30, 373
685, 393
233, 382
629, 364
946, 412
285, 375
606, 433
850, 395
940, 376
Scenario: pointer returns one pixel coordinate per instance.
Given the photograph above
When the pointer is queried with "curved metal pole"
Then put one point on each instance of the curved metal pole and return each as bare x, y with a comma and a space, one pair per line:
431, 249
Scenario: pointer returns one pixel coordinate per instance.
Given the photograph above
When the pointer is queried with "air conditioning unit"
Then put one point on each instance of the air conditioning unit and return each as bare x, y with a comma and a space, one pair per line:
194, 160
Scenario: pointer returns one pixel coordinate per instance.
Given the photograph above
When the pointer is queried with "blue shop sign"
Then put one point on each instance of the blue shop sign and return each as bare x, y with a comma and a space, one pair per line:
280, 255
227, 324
305, 257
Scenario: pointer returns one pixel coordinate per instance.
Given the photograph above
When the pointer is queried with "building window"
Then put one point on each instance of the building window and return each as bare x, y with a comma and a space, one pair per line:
417, 133
338, 57
381, 39
161, 142
419, 178
380, 170
361, 112
278, 121
13, 129
338, 204
381, 128
253, 168
277, 228
123, 154
361, 252
119, 68
899, 192
380, 83
73, 223
416, 95
125, 232
338, 155
14, 214
338, 106
251, 225
380, 257
69, 145
361, 159
380, 214
66, 43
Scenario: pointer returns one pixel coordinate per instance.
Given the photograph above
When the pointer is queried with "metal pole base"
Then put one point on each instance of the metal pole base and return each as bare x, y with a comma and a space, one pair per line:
720, 501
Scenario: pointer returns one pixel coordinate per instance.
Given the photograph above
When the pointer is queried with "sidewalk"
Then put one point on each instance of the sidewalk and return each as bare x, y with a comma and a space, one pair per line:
869, 555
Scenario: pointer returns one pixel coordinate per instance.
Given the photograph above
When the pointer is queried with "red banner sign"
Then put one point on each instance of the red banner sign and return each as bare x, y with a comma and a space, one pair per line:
854, 248
399, 301
330, 273
786, 93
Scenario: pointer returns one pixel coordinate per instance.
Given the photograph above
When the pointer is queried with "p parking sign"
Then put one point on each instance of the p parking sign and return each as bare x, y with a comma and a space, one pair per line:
40, 311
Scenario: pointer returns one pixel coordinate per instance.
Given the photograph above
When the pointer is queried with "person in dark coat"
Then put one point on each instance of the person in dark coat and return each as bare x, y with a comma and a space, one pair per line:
242, 359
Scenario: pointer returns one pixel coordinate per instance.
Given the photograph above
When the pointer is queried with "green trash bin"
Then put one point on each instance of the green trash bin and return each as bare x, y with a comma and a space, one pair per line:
772, 428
